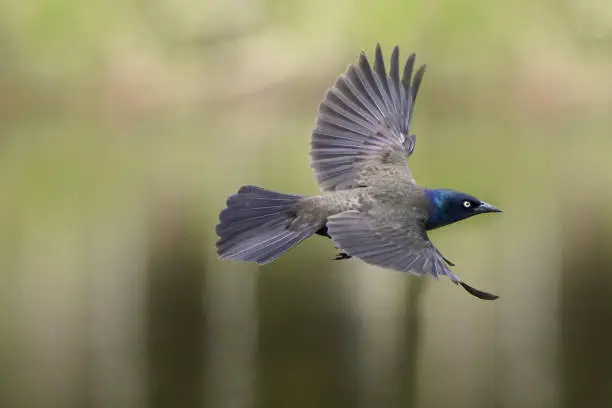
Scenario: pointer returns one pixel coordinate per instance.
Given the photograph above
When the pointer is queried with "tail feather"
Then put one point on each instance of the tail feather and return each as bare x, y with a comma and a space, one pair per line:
255, 225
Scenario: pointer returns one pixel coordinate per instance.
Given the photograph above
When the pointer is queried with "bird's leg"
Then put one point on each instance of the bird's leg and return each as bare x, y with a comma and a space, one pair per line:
323, 232
342, 255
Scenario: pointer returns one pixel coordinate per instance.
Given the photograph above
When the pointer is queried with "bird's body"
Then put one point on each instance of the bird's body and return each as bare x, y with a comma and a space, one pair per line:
316, 210
370, 206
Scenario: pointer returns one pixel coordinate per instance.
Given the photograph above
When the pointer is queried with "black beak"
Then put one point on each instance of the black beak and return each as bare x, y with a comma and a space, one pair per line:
487, 208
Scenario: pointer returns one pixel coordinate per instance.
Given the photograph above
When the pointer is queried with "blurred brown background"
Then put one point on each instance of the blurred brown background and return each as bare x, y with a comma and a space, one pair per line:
124, 125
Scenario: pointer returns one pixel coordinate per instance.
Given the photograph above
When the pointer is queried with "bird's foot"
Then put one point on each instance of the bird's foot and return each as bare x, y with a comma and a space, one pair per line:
341, 256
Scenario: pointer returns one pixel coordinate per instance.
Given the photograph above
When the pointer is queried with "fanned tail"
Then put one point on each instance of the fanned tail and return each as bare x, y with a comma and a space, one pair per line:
255, 225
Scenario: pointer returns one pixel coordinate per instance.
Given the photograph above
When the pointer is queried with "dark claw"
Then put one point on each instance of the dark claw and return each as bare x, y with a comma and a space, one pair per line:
478, 293
342, 255
323, 232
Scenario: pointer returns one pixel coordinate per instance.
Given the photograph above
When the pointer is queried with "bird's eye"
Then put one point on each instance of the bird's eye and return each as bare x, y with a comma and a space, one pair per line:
467, 204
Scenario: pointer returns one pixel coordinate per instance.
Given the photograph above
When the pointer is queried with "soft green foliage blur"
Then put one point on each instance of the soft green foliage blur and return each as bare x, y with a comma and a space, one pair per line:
125, 125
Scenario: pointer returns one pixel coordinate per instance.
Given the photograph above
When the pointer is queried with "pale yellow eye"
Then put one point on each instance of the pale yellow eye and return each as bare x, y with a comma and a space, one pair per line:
467, 204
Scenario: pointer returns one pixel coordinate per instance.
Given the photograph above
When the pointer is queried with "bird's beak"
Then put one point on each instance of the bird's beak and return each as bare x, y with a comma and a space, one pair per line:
487, 208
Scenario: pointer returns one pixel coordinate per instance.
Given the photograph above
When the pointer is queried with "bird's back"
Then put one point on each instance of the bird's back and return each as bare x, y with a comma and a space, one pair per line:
386, 196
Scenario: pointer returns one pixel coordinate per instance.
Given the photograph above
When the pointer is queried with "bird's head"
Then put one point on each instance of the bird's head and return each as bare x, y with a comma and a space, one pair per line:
448, 206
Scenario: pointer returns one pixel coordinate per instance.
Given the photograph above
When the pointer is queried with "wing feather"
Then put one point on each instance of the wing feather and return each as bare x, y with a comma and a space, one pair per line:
394, 241
363, 118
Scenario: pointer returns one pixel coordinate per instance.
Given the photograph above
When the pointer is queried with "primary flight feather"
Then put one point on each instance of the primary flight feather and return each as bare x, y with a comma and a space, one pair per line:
370, 205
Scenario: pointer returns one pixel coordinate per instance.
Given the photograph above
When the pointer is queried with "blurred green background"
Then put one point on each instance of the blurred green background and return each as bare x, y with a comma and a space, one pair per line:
124, 125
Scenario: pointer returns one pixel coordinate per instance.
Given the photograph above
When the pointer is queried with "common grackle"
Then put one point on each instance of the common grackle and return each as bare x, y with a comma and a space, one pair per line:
370, 205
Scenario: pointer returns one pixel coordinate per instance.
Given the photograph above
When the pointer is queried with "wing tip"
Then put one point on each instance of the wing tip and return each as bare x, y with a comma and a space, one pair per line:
378, 54
363, 57
421, 70
478, 293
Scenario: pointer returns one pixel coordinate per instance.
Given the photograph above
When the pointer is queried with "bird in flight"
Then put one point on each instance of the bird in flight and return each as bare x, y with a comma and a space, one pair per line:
370, 205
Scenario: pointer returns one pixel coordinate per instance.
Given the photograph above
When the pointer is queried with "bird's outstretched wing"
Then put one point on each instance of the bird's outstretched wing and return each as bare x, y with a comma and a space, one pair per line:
392, 241
365, 119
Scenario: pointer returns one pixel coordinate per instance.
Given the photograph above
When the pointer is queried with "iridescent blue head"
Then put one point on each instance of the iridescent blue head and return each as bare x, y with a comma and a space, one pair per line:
448, 206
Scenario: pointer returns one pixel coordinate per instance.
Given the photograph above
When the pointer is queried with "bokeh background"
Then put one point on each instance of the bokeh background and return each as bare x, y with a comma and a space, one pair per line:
124, 125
